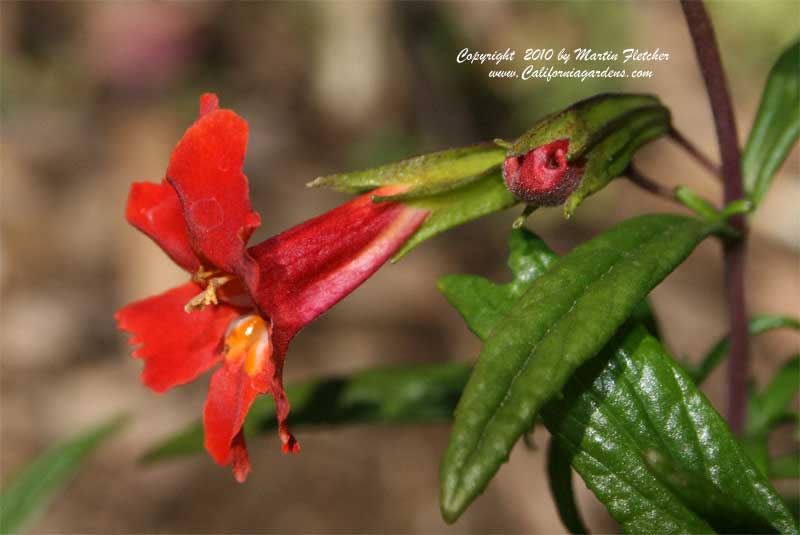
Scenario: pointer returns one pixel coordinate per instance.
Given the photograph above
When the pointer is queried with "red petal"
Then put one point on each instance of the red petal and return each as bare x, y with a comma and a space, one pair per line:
208, 102
230, 395
176, 346
271, 380
206, 171
240, 458
309, 268
155, 210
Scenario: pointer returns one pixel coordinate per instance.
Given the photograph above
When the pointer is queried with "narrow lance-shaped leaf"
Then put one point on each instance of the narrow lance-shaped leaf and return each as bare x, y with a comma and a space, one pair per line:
391, 394
605, 410
776, 127
725, 513
697, 203
559, 475
766, 408
632, 400
565, 318
758, 324
31, 490
482, 303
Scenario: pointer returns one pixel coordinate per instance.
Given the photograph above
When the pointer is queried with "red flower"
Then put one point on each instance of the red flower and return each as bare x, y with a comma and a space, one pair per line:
243, 305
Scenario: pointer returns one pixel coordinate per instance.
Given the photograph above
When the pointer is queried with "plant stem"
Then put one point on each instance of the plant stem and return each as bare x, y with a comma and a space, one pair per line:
693, 151
705, 45
635, 176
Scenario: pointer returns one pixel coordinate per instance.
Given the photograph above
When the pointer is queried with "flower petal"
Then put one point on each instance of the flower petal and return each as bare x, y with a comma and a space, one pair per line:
230, 395
239, 457
206, 172
309, 268
270, 379
176, 346
155, 210
208, 102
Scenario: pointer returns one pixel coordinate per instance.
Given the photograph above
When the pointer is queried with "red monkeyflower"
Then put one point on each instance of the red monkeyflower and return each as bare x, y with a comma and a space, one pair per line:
543, 176
243, 304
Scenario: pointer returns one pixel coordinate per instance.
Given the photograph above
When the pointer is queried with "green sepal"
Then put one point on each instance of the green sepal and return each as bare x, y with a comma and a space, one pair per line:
451, 208
428, 174
585, 123
612, 155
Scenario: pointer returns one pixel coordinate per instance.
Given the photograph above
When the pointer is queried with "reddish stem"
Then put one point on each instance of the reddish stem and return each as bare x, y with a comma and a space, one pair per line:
693, 151
705, 45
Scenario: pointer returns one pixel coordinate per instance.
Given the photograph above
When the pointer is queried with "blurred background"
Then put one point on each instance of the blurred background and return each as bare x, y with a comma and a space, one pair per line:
95, 95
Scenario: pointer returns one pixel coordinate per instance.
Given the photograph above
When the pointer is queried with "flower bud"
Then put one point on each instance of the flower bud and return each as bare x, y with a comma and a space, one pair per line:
543, 176
568, 155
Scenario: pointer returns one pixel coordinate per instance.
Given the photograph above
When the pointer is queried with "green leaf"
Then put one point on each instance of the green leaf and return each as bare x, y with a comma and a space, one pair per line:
740, 206
697, 204
423, 175
559, 475
776, 127
633, 399
564, 318
31, 490
392, 394
723, 512
483, 303
476, 199
768, 407
719, 351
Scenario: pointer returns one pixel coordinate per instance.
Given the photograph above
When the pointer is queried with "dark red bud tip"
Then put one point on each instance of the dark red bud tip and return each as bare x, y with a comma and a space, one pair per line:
542, 177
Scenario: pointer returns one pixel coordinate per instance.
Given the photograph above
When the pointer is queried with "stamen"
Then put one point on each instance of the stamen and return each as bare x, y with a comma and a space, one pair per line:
209, 295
